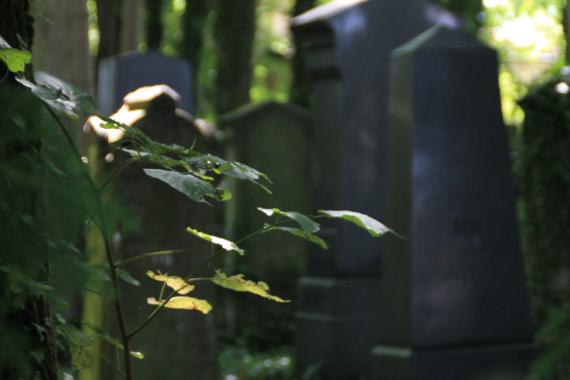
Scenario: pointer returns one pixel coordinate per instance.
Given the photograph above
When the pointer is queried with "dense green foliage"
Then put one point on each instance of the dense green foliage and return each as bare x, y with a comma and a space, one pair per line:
544, 175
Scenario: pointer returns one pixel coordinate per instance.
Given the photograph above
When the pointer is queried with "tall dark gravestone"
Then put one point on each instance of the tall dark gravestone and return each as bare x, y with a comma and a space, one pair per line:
275, 139
454, 298
124, 73
348, 48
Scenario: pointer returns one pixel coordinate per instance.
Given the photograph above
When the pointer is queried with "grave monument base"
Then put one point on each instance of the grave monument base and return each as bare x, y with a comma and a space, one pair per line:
489, 362
337, 325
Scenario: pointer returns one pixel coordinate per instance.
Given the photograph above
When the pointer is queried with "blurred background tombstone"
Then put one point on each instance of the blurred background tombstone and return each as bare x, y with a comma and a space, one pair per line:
124, 73
454, 298
348, 46
164, 214
274, 138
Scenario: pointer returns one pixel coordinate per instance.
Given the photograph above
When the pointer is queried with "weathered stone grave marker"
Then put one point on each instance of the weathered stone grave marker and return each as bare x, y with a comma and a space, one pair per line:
177, 345
275, 139
348, 47
124, 73
454, 300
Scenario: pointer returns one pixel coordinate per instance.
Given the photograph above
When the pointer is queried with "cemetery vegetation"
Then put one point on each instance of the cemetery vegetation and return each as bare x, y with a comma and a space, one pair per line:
49, 197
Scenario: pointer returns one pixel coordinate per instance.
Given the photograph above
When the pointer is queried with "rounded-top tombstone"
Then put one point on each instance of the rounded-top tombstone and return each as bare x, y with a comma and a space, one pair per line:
119, 75
274, 138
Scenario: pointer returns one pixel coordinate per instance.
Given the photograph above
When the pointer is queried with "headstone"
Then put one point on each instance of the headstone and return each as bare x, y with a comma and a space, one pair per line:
176, 344
274, 138
348, 46
122, 74
454, 298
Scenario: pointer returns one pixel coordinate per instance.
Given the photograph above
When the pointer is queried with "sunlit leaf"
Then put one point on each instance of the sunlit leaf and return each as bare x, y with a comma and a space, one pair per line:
15, 59
174, 282
194, 188
300, 233
225, 194
137, 355
239, 284
374, 227
225, 244
183, 303
306, 223
127, 277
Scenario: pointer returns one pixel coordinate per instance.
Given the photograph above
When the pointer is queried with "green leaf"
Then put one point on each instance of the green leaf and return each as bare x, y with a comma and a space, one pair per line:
19, 281
78, 343
113, 341
83, 102
182, 303
137, 355
194, 188
306, 223
225, 194
225, 244
238, 283
52, 97
127, 277
238, 170
374, 227
300, 233
174, 282
15, 59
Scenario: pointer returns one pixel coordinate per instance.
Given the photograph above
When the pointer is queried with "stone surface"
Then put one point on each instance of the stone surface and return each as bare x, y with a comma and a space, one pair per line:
455, 289
275, 139
122, 74
348, 50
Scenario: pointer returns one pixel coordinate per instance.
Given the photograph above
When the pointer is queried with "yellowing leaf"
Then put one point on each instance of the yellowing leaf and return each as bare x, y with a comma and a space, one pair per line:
239, 284
225, 244
183, 303
174, 282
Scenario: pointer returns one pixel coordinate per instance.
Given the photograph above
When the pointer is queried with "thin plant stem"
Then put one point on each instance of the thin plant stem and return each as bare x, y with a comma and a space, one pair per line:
108, 251
147, 255
115, 172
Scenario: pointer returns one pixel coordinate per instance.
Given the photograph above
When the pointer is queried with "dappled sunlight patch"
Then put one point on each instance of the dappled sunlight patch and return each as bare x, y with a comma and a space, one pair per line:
224, 243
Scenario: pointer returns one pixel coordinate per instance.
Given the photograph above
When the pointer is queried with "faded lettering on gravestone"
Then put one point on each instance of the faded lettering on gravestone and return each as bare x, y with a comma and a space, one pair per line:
454, 293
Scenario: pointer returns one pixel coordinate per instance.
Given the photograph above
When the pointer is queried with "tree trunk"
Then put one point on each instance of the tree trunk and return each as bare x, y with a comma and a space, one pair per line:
61, 45
300, 90
109, 19
16, 25
566, 25
20, 153
130, 26
153, 24
234, 31
193, 26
